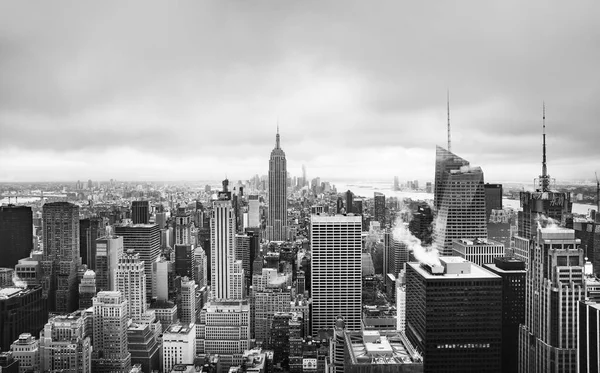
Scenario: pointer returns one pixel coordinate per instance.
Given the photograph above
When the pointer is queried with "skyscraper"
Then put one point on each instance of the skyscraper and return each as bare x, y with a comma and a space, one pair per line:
461, 213
144, 239
253, 211
87, 289
445, 162
61, 255
110, 333
554, 286
336, 270
183, 221
379, 210
224, 272
453, 315
108, 251
140, 212
277, 219
131, 282
65, 344
90, 229
16, 234
349, 202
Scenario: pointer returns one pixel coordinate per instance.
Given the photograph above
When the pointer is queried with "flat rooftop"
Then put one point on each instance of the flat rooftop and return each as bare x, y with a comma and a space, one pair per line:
380, 347
476, 272
336, 219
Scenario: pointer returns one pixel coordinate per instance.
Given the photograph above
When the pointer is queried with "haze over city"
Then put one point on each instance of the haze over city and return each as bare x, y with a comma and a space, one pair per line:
152, 91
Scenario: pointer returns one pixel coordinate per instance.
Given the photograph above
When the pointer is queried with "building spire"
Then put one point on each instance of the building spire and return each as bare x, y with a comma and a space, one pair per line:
448, 104
544, 177
277, 146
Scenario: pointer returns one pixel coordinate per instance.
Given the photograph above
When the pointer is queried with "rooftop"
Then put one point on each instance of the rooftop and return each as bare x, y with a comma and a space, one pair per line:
335, 219
380, 347
475, 271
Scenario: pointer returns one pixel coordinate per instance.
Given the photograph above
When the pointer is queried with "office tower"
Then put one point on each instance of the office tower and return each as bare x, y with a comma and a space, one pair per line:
493, 199
225, 274
201, 267
26, 350
87, 289
140, 212
420, 223
179, 346
513, 273
379, 351
336, 270
131, 282
65, 346
379, 209
183, 223
253, 211
187, 302
280, 339
538, 206
454, 315
61, 255
90, 229
339, 205
462, 210
16, 234
395, 253
554, 286
144, 239
224, 329
349, 202
445, 162
242, 252
160, 218
22, 310
110, 333
108, 251
479, 251
588, 332
273, 298
143, 345
29, 270
277, 219
185, 261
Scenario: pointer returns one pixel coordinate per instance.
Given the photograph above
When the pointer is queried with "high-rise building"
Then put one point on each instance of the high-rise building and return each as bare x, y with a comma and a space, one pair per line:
478, 251
349, 202
420, 223
336, 270
201, 267
588, 336
140, 212
144, 239
227, 277
267, 302
110, 333
187, 302
242, 252
65, 345
554, 286
493, 199
90, 229
277, 219
183, 224
87, 289
26, 350
179, 346
143, 345
453, 315
108, 251
445, 162
253, 211
395, 254
513, 273
185, 261
224, 329
131, 282
461, 213
22, 310
16, 234
379, 209
61, 255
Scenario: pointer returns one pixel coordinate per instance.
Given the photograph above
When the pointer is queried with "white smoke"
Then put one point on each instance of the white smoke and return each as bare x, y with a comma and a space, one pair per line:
400, 232
544, 221
18, 282
279, 280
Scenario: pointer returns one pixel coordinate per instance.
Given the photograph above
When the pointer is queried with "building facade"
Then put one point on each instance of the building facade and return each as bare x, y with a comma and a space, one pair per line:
277, 218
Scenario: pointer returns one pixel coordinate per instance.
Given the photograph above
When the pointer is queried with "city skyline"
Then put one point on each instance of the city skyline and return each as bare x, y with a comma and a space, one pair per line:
202, 86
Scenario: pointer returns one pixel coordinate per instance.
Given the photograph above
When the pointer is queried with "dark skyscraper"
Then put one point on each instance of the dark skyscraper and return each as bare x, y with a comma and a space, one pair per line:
140, 212
379, 210
16, 234
90, 230
493, 199
513, 273
349, 202
453, 315
61, 255
277, 219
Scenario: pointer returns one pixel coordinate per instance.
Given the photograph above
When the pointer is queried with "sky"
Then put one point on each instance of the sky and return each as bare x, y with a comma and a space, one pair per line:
194, 90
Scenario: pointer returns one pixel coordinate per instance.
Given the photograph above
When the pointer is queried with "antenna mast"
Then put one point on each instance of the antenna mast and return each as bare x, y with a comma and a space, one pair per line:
544, 177
448, 108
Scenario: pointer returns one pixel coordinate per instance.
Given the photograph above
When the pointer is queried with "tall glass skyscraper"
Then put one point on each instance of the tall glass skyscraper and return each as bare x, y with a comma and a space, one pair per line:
16, 234
277, 220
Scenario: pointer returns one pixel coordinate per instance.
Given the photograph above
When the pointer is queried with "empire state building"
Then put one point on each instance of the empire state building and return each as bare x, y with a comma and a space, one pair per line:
277, 221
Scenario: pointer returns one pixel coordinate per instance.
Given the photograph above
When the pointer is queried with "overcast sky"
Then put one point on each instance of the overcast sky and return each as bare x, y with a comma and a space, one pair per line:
193, 90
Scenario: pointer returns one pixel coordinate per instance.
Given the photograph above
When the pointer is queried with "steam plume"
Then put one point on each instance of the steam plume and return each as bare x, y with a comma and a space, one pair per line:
424, 254
18, 282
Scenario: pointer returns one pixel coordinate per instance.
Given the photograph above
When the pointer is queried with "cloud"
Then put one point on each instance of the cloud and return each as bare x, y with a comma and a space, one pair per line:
347, 80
